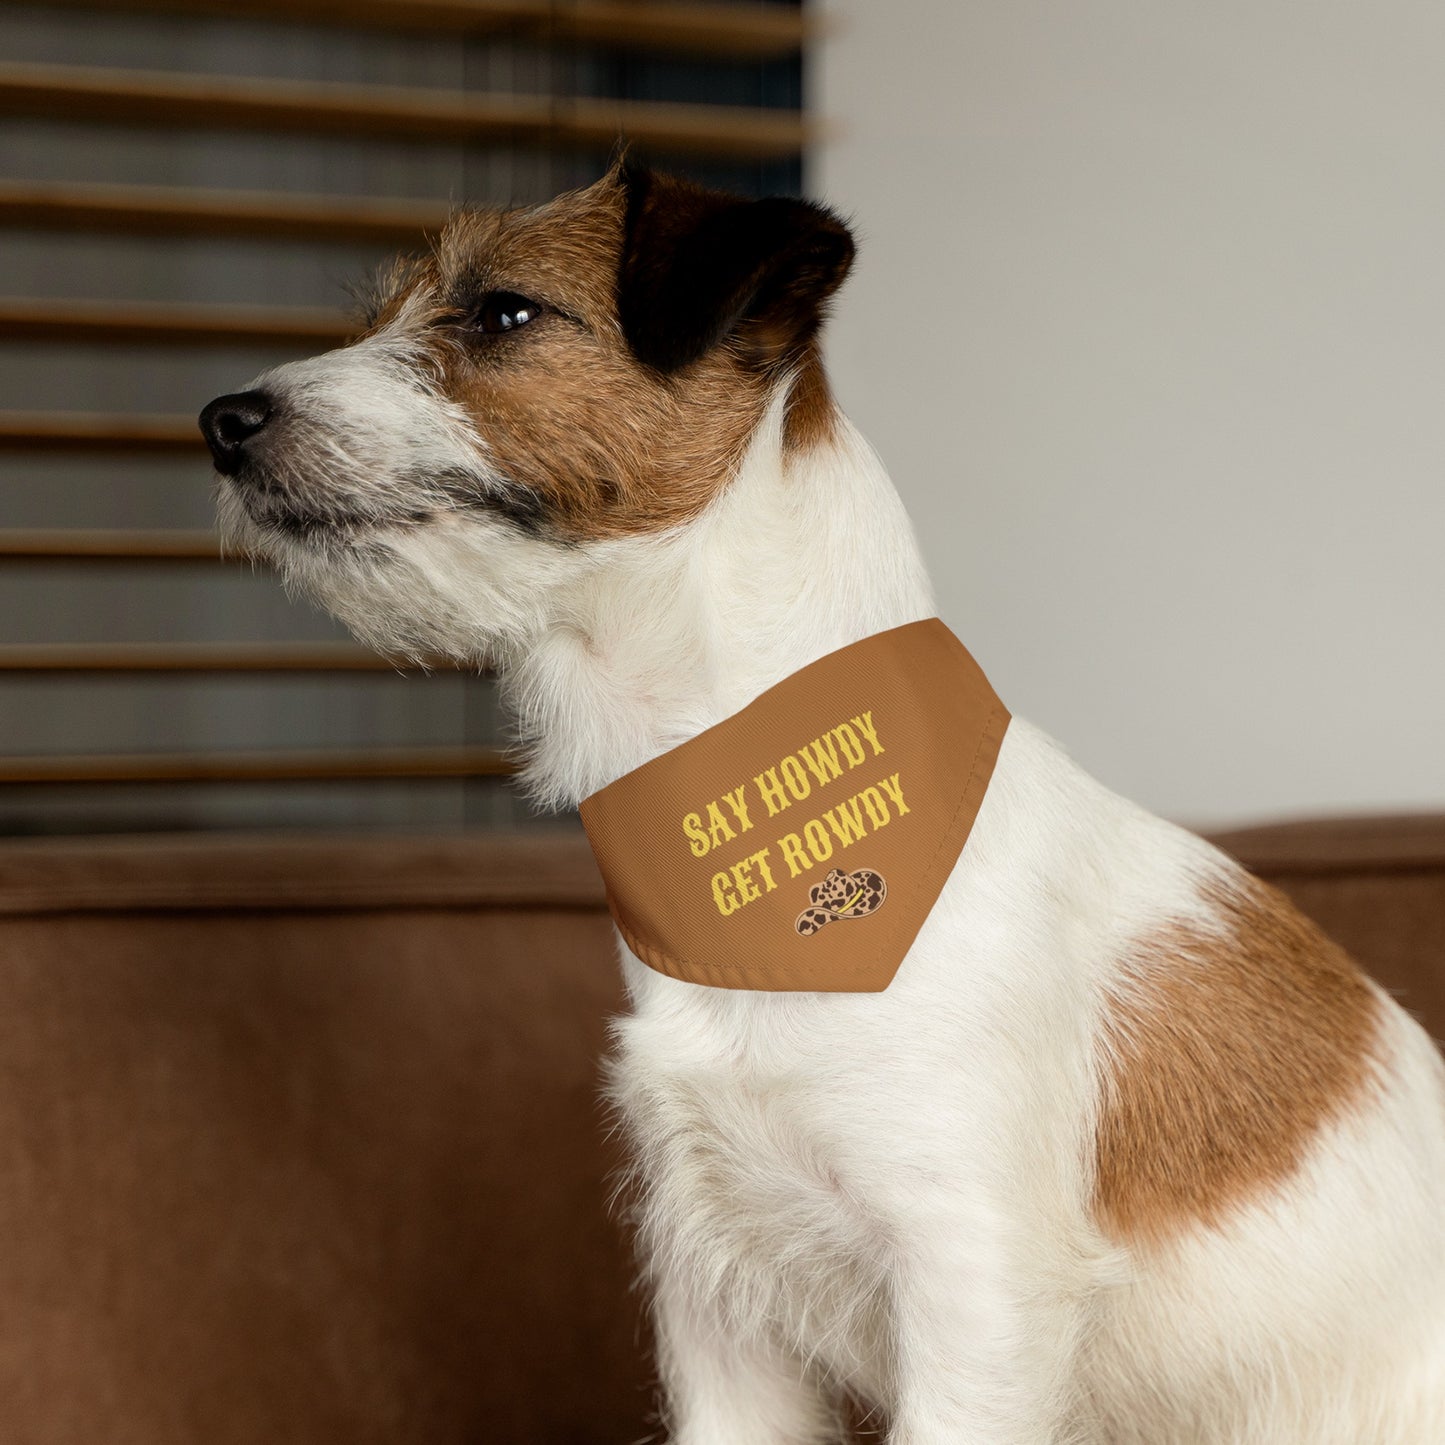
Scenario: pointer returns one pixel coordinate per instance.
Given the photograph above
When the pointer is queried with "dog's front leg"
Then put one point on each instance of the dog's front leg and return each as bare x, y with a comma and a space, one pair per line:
984, 1346
725, 1387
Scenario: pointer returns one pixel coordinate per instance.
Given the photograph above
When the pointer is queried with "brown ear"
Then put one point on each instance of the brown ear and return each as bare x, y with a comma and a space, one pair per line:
699, 266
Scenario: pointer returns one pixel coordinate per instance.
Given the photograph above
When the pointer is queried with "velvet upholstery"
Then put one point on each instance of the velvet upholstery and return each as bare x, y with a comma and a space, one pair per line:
300, 1139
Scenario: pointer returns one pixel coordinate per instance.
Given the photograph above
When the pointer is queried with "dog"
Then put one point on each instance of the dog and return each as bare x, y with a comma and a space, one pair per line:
1127, 1153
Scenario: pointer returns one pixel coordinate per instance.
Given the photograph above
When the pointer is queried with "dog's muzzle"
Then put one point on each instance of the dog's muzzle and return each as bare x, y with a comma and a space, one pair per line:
230, 422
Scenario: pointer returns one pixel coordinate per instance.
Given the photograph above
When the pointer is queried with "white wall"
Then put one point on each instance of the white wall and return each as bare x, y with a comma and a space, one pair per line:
1149, 324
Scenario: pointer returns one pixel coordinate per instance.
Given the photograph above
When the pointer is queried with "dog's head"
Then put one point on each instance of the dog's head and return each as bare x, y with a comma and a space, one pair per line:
543, 384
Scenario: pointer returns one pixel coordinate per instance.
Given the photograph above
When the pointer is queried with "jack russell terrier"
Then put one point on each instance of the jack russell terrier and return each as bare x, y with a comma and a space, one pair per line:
1106, 1144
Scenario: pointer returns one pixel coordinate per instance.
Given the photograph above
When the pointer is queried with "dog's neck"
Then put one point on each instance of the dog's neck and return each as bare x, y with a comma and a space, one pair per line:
803, 553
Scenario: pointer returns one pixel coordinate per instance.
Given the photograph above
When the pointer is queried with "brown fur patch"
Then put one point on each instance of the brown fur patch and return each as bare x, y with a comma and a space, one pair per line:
1226, 1054
812, 415
607, 446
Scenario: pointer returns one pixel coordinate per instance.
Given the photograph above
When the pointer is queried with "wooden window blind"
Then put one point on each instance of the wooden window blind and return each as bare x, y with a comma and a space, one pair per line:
186, 187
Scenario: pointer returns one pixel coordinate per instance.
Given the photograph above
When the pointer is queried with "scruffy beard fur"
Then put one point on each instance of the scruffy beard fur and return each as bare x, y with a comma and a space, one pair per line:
381, 493
1127, 1153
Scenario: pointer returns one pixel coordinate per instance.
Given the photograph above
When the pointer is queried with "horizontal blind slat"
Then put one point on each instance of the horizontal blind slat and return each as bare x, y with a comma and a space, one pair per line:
180, 657
87, 431
161, 98
719, 28
65, 544
254, 767
172, 210
171, 323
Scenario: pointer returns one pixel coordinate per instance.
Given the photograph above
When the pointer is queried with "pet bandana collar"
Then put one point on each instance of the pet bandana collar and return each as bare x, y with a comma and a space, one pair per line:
799, 844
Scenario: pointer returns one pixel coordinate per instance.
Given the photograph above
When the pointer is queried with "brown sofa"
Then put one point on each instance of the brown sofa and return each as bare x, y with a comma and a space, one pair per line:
300, 1141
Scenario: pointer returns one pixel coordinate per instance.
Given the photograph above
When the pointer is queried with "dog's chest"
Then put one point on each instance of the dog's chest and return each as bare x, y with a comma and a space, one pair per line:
742, 1186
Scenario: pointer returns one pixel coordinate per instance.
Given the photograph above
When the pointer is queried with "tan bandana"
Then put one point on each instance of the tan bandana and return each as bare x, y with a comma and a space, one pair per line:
799, 844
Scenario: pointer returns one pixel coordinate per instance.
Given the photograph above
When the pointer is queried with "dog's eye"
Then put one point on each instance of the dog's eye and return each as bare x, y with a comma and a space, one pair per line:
504, 311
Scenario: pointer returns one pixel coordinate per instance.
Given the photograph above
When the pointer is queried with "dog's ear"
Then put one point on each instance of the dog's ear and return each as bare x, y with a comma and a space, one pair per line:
698, 266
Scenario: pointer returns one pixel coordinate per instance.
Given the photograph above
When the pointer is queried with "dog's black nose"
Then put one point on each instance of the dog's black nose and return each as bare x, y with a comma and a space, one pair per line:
229, 422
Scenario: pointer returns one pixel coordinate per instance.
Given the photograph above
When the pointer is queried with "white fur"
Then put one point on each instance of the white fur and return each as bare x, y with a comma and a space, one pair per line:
889, 1194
